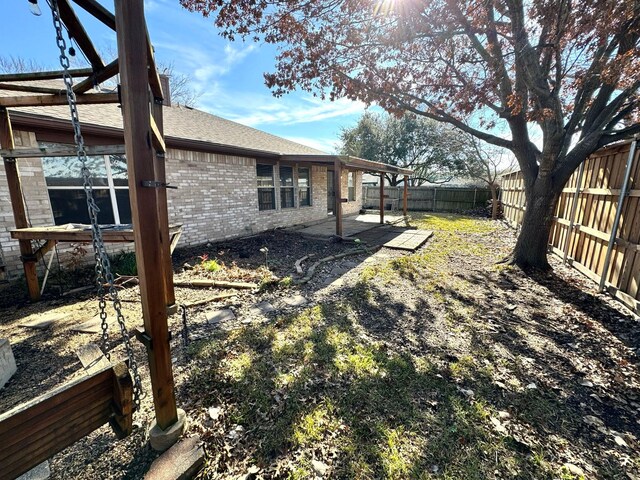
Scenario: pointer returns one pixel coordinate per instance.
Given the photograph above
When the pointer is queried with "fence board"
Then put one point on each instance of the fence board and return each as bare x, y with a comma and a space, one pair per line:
429, 199
596, 205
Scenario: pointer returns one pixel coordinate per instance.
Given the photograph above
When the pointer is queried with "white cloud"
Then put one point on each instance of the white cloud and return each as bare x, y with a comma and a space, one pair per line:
327, 145
255, 110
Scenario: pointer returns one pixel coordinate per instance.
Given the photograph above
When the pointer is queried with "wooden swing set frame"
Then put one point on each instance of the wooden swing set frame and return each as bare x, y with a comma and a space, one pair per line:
44, 426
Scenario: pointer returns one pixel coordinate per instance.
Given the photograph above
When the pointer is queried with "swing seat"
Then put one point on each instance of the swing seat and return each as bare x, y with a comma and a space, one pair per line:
38, 429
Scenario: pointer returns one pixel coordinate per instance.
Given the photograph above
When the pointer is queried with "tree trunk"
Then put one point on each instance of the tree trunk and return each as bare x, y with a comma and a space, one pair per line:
531, 247
494, 201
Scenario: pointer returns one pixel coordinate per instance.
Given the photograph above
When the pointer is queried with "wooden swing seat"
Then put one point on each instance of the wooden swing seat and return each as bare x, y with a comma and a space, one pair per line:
38, 429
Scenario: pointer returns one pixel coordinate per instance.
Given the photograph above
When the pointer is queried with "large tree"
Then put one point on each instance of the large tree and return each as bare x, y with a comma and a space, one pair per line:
435, 151
505, 71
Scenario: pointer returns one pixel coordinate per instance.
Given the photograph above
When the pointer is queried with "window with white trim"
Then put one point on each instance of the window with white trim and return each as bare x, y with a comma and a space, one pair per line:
304, 186
266, 187
67, 196
287, 189
351, 181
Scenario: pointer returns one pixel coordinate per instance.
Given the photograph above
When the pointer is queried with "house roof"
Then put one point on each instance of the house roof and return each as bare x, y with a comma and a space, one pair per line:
185, 128
180, 122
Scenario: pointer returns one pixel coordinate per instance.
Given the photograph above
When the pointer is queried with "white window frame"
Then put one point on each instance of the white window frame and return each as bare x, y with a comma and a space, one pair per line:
110, 186
308, 188
351, 176
275, 188
293, 187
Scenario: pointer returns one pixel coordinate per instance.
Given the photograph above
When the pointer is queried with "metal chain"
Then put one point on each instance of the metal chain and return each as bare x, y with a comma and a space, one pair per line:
104, 276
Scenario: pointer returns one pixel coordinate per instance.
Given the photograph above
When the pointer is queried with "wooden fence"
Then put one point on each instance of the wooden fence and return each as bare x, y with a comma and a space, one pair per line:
584, 232
429, 199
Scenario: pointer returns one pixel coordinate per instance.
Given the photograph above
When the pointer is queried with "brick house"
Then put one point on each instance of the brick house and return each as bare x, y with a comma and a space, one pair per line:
232, 180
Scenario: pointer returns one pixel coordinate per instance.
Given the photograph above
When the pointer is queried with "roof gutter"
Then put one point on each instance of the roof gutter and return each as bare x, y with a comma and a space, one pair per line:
350, 162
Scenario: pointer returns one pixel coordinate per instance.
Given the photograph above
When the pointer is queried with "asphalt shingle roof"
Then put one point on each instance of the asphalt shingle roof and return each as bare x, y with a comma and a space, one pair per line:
179, 122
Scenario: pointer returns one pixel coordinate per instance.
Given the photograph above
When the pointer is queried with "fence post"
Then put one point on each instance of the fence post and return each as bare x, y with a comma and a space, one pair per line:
475, 195
572, 215
614, 230
434, 198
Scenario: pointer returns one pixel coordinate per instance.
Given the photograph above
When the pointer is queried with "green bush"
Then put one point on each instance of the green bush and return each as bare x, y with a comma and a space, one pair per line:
211, 265
124, 263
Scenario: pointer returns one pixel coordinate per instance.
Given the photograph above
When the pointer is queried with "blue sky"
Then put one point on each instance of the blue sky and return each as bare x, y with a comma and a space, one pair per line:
228, 75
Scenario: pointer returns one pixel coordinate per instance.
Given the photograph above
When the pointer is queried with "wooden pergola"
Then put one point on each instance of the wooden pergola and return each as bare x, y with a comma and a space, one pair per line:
342, 162
141, 99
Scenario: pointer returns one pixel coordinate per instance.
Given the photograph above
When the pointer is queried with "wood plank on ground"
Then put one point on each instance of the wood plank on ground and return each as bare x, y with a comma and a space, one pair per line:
409, 240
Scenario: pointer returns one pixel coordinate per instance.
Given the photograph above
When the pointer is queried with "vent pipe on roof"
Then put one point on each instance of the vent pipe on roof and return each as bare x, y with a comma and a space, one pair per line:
166, 89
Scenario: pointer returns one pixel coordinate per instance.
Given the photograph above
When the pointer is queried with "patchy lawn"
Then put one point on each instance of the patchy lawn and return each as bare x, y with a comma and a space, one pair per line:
436, 364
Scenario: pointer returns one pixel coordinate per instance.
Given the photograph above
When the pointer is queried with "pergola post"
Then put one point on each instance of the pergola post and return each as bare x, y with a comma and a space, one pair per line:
337, 187
29, 261
163, 210
405, 195
381, 198
134, 77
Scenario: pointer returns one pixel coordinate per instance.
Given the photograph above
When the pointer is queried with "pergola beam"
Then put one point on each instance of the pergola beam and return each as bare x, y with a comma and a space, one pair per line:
98, 11
29, 259
11, 87
159, 166
48, 75
381, 198
53, 100
405, 195
337, 187
79, 34
131, 34
98, 77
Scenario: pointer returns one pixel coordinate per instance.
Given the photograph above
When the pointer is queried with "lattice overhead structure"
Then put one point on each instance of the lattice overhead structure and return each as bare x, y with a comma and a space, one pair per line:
140, 96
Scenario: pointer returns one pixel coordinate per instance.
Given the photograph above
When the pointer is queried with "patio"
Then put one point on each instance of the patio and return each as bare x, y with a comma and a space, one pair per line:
367, 228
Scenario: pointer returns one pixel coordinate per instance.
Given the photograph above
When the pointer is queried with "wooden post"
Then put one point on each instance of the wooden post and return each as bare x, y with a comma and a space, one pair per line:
29, 260
132, 53
163, 212
381, 198
337, 187
405, 195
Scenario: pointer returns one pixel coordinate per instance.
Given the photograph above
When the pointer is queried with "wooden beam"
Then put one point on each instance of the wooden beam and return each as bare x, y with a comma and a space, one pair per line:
154, 77
49, 75
43, 250
405, 195
381, 198
130, 27
18, 206
337, 187
51, 100
62, 233
79, 34
98, 11
97, 77
62, 151
156, 135
157, 121
30, 88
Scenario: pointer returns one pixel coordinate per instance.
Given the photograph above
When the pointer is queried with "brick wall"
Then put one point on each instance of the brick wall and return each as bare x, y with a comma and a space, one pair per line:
350, 208
216, 199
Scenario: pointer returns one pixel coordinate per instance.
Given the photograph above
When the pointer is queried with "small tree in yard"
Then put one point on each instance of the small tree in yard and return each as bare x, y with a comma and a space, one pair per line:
566, 70
486, 163
433, 150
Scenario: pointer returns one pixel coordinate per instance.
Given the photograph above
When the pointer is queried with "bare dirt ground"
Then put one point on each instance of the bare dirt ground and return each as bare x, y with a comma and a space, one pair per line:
436, 364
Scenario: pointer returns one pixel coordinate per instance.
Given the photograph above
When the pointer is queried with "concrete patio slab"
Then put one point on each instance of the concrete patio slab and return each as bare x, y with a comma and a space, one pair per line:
352, 226
219, 316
